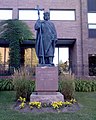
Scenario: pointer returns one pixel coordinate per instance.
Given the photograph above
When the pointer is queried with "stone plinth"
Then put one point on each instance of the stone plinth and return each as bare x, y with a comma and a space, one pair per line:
46, 86
46, 79
47, 98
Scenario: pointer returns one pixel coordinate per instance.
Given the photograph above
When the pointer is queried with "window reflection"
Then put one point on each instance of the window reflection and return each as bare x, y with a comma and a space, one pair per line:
30, 57
92, 20
61, 55
62, 14
5, 14
30, 14
4, 55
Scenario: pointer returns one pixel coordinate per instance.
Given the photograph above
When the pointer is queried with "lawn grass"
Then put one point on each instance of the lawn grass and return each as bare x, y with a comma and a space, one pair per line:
87, 112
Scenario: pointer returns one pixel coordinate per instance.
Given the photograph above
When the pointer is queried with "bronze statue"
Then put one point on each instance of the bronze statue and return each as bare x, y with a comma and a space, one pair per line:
45, 40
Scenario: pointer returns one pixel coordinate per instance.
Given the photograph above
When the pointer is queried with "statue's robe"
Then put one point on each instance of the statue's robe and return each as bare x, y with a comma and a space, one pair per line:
45, 39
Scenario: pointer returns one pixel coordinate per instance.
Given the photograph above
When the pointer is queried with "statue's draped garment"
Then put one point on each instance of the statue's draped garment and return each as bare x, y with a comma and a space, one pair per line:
45, 39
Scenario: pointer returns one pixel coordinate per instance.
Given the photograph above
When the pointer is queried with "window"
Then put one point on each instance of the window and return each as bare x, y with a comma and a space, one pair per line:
61, 55
92, 18
92, 33
91, 5
62, 14
30, 57
5, 14
56, 59
92, 24
92, 64
30, 14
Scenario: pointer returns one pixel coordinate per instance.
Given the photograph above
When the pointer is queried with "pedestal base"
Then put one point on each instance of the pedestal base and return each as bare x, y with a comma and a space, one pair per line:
56, 97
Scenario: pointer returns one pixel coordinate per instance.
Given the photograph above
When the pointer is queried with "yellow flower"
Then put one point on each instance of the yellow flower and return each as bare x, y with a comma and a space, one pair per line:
24, 99
35, 104
31, 107
57, 105
73, 100
22, 105
20, 99
67, 103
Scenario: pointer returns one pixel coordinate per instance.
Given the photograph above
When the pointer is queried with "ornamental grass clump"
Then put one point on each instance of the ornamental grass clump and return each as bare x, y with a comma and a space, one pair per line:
22, 84
67, 88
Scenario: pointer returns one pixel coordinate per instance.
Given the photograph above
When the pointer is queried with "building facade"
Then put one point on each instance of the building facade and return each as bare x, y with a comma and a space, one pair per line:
75, 30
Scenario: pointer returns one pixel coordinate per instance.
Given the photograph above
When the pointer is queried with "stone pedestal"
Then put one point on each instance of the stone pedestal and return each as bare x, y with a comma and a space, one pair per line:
46, 79
46, 98
46, 85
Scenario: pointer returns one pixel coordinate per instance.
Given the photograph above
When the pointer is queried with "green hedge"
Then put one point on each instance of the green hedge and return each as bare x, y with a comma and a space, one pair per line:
85, 85
65, 86
6, 84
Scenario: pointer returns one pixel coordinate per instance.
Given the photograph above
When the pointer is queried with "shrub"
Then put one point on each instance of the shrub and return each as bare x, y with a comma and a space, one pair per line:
6, 84
23, 86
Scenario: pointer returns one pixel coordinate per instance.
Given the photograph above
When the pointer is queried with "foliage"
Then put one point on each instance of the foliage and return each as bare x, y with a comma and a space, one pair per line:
23, 102
15, 32
66, 85
22, 84
66, 76
85, 85
0, 58
35, 104
59, 104
55, 105
6, 84
22, 99
67, 88
63, 67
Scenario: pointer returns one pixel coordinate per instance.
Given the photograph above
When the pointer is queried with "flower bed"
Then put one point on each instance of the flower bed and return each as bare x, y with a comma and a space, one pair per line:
38, 107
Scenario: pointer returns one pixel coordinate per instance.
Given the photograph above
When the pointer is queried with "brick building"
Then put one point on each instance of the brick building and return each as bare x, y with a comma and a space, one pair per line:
77, 30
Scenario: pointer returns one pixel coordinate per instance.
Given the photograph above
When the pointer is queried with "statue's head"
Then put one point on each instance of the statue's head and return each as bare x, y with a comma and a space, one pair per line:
46, 15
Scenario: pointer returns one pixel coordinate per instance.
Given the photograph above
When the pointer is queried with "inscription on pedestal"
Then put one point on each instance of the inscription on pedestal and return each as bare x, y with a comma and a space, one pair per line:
46, 79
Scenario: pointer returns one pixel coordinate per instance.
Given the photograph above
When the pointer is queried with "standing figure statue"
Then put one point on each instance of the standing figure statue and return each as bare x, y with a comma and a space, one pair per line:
45, 40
